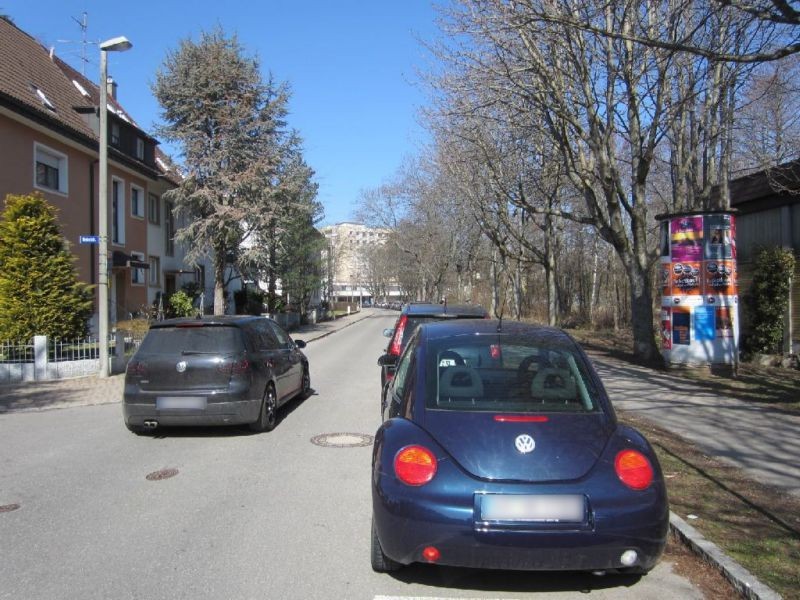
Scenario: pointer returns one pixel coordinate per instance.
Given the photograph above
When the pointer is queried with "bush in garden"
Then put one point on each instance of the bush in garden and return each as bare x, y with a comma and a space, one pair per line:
768, 298
40, 293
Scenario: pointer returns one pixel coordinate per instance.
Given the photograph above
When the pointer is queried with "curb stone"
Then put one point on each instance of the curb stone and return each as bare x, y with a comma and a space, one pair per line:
741, 579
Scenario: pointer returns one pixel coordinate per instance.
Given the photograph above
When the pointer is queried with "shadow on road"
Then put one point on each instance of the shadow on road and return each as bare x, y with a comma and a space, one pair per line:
510, 581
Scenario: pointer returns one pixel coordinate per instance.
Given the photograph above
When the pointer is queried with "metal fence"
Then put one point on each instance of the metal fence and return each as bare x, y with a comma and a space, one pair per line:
44, 358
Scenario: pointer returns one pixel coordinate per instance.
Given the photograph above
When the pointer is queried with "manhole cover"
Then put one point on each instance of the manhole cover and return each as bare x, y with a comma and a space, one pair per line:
8, 507
162, 474
342, 440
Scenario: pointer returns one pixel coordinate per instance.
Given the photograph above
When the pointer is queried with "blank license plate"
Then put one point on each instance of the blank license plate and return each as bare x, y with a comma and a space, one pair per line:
181, 402
550, 508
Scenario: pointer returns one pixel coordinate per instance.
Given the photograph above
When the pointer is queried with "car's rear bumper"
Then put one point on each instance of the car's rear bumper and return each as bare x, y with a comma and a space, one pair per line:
405, 540
221, 409
407, 522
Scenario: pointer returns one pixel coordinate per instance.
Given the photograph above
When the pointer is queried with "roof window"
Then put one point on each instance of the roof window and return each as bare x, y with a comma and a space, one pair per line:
81, 89
40, 94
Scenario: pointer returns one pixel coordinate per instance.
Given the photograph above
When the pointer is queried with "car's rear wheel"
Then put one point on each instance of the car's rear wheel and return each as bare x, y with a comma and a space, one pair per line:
305, 388
268, 415
380, 562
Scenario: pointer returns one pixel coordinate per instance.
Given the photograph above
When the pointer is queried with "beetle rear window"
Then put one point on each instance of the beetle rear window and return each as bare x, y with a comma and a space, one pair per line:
508, 374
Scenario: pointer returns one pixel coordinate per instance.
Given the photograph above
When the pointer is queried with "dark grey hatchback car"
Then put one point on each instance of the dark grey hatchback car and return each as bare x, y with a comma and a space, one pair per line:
213, 371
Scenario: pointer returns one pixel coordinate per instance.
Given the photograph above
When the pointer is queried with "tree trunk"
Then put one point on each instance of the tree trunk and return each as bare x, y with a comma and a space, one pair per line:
644, 341
219, 281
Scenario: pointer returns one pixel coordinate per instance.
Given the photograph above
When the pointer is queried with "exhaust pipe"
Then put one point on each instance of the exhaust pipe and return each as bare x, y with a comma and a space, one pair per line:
151, 424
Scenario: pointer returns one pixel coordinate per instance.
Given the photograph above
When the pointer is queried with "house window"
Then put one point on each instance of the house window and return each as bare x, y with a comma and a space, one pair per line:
50, 171
115, 134
117, 211
137, 274
153, 214
137, 201
140, 148
169, 230
155, 272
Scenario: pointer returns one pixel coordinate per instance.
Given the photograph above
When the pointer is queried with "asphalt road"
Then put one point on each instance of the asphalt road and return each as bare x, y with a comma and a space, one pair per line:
246, 516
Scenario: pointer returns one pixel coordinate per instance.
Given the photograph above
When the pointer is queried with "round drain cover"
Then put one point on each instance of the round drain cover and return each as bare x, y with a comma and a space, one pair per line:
162, 474
342, 440
8, 507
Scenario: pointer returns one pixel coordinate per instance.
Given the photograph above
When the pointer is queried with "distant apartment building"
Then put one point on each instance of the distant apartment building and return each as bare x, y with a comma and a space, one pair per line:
350, 271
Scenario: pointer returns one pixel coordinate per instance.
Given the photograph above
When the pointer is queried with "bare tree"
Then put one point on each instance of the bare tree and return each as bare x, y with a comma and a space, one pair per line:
607, 105
771, 26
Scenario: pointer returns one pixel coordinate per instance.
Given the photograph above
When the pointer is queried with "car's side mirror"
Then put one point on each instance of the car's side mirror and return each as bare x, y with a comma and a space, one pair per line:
387, 360
388, 332
300, 343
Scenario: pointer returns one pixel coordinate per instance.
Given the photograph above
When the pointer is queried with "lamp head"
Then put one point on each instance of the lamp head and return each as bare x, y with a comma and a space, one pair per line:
117, 44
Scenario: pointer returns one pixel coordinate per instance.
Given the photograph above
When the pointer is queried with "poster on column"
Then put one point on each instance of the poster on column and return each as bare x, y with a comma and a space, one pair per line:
704, 323
666, 328
686, 278
681, 326
687, 239
724, 323
719, 237
666, 279
719, 278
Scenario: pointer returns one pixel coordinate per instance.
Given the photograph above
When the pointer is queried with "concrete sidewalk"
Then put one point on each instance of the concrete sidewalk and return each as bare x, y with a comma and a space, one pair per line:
763, 441
86, 391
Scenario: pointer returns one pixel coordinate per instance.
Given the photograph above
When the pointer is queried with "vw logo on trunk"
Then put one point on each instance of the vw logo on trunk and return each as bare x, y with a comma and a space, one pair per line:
181, 366
524, 443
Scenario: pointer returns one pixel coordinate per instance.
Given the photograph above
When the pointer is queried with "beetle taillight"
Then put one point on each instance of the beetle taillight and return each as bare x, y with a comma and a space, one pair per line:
397, 340
415, 465
633, 469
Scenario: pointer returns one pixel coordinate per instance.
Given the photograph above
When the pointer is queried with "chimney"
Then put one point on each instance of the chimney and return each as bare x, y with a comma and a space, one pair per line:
111, 87
52, 52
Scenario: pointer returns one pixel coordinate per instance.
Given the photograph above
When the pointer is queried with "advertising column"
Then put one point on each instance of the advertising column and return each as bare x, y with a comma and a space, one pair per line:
699, 295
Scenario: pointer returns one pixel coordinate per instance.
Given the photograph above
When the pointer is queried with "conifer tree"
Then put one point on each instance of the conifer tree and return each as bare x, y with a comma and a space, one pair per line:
39, 289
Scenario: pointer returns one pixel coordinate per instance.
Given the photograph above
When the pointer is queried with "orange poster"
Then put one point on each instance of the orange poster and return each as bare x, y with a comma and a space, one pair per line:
686, 278
720, 277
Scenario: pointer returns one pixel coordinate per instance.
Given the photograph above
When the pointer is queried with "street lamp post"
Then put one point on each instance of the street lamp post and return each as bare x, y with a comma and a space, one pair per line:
117, 44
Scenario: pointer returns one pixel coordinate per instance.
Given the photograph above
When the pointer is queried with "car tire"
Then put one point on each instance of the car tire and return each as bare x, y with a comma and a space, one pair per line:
380, 562
305, 386
268, 414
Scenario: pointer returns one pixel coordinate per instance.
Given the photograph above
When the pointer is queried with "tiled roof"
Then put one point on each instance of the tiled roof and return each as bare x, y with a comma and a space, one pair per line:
36, 82
25, 67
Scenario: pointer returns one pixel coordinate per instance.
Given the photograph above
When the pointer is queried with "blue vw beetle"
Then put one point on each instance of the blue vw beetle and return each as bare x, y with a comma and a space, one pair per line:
500, 449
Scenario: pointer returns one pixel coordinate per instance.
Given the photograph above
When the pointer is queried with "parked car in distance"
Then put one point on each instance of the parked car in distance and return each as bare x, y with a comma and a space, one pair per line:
411, 317
213, 371
500, 449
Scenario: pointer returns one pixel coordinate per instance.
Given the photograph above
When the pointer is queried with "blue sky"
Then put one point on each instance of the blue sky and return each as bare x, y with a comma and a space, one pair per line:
352, 67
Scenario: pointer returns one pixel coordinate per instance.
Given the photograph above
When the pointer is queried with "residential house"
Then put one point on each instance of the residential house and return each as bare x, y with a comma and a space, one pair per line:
49, 127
